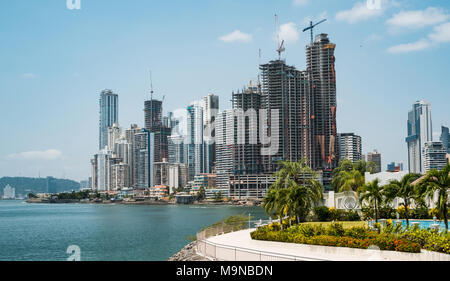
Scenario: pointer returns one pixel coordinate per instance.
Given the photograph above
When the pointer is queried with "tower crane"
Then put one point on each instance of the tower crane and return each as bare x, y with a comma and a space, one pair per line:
311, 27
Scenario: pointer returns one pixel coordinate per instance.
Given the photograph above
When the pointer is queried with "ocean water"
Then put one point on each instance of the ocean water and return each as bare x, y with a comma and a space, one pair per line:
43, 232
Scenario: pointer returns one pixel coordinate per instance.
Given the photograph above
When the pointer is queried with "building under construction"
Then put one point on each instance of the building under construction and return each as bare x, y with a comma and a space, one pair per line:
322, 76
154, 124
286, 91
300, 123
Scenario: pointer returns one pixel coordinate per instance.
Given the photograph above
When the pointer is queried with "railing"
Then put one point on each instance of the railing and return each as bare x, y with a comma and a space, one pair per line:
221, 252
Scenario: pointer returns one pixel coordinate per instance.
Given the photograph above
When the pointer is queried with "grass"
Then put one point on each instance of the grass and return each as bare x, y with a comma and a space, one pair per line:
346, 224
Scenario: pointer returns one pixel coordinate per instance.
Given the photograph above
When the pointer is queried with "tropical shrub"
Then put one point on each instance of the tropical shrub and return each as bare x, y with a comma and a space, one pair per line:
322, 213
356, 237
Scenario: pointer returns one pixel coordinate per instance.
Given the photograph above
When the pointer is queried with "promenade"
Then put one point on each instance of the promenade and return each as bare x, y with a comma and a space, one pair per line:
238, 246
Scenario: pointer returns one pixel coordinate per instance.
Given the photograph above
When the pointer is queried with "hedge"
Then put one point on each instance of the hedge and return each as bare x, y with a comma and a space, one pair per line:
335, 236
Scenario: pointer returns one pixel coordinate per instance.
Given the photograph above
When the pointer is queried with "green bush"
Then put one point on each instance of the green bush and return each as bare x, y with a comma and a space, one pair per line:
361, 238
336, 229
322, 213
353, 216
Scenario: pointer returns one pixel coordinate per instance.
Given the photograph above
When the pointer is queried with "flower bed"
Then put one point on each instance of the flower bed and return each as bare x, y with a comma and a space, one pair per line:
336, 236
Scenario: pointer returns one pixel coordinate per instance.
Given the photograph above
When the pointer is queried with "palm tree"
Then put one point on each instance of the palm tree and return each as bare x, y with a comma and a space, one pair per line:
373, 194
403, 189
303, 198
350, 181
276, 203
294, 191
438, 181
350, 176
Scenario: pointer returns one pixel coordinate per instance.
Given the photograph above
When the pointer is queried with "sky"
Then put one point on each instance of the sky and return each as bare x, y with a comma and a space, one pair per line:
54, 62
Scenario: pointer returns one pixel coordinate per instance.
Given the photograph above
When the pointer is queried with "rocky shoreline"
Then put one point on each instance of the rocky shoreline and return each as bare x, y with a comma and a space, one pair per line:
188, 253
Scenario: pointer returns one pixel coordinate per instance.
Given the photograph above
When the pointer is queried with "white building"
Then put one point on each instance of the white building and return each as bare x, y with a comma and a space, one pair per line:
420, 131
9, 192
384, 177
434, 156
350, 147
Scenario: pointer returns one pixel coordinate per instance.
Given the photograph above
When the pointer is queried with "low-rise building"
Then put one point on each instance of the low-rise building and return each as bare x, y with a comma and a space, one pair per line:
9, 192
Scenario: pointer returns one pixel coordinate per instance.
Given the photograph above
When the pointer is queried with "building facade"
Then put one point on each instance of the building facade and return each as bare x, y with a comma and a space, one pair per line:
445, 138
434, 156
349, 147
375, 157
109, 114
420, 131
321, 73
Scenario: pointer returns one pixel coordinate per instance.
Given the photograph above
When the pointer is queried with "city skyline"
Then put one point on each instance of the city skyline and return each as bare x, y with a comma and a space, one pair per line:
67, 132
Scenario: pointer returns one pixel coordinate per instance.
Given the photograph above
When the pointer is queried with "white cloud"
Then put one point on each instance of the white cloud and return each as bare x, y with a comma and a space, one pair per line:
28, 75
360, 12
410, 47
300, 2
441, 33
50, 154
236, 36
288, 32
418, 18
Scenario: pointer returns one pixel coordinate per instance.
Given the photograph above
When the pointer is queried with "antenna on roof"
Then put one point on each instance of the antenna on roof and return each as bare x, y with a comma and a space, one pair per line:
151, 86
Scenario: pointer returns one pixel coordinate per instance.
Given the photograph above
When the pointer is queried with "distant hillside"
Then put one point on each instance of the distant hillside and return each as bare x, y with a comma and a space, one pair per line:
24, 186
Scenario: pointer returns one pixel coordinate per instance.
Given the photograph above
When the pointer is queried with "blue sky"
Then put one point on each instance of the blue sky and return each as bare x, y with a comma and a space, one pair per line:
55, 61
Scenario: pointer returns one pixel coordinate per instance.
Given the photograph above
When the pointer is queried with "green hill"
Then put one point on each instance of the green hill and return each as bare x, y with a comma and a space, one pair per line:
24, 186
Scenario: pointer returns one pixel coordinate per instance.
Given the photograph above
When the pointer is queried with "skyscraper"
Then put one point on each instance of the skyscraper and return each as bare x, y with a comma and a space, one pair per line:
375, 157
109, 114
194, 140
224, 143
419, 129
445, 138
350, 147
286, 99
322, 77
247, 155
154, 124
144, 159
210, 106
176, 149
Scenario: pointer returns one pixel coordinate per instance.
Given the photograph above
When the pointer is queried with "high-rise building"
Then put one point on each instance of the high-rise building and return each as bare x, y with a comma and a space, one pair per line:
114, 134
130, 138
109, 114
154, 124
176, 149
322, 76
194, 140
434, 155
210, 107
120, 176
103, 169
420, 131
349, 147
144, 159
286, 100
247, 153
445, 138
224, 143
375, 157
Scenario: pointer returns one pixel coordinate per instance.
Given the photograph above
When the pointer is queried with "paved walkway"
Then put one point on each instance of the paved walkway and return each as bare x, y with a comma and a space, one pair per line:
242, 239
